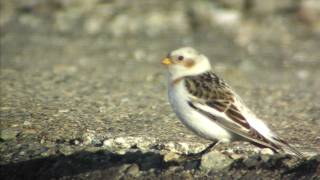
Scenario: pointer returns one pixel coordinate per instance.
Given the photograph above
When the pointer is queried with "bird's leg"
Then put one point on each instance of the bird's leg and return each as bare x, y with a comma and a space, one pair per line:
206, 150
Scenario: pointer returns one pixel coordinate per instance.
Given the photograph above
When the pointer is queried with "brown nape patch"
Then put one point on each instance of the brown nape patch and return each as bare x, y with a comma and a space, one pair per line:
188, 63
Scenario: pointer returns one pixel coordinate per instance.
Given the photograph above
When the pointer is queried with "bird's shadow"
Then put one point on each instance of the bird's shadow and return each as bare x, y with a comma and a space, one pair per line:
54, 167
104, 164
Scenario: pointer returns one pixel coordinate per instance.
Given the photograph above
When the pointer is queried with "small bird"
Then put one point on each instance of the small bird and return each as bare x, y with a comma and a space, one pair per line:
210, 108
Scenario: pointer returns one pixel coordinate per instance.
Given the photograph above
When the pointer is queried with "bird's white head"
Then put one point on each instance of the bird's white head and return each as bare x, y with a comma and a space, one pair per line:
186, 61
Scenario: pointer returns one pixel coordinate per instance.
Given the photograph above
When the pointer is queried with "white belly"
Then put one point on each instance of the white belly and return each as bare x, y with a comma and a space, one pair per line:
195, 121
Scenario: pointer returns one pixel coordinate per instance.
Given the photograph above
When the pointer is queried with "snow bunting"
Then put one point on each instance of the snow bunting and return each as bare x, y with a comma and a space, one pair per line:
210, 108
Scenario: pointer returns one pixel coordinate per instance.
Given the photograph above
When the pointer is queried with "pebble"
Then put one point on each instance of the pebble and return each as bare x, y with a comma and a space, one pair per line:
63, 110
266, 154
102, 109
133, 170
171, 156
30, 131
251, 161
108, 143
66, 150
27, 123
120, 141
236, 156
74, 141
8, 134
88, 138
215, 161
266, 151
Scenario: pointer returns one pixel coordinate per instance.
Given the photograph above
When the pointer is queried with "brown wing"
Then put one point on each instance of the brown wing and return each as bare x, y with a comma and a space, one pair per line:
208, 86
208, 89
214, 92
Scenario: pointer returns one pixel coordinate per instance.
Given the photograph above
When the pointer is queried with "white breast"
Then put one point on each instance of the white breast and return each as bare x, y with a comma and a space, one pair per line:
198, 123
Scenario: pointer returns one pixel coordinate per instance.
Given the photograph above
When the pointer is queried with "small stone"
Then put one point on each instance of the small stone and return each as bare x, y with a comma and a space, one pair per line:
102, 109
183, 147
145, 144
30, 131
5, 108
66, 150
139, 54
121, 151
133, 170
265, 158
227, 18
97, 142
123, 168
88, 138
187, 175
75, 141
266, 154
44, 149
44, 154
8, 134
215, 161
303, 74
63, 110
14, 125
171, 156
93, 25
274, 160
170, 146
175, 168
251, 162
27, 123
205, 14
236, 156
122, 142
30, 20
267, 151
108, 143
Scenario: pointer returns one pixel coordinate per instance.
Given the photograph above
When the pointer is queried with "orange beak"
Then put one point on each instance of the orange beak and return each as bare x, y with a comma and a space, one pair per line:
166, 61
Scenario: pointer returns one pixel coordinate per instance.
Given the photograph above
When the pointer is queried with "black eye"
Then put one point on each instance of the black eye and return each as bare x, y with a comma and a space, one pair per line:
180, 58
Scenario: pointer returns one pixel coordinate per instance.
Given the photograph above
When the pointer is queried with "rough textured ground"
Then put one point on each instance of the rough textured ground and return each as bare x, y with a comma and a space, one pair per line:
83, 106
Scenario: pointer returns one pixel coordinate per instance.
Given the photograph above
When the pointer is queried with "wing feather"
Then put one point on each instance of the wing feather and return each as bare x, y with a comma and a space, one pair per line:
212, 97
219, 96
247, 133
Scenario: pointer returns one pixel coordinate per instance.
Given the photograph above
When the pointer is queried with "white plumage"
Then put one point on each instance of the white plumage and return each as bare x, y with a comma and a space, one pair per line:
209, 107
195, 121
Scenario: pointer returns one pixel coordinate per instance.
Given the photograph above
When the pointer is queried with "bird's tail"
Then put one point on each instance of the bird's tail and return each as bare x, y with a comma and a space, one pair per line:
287, 148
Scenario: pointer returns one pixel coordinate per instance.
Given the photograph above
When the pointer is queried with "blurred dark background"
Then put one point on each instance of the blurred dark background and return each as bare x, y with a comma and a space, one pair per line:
153, 18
